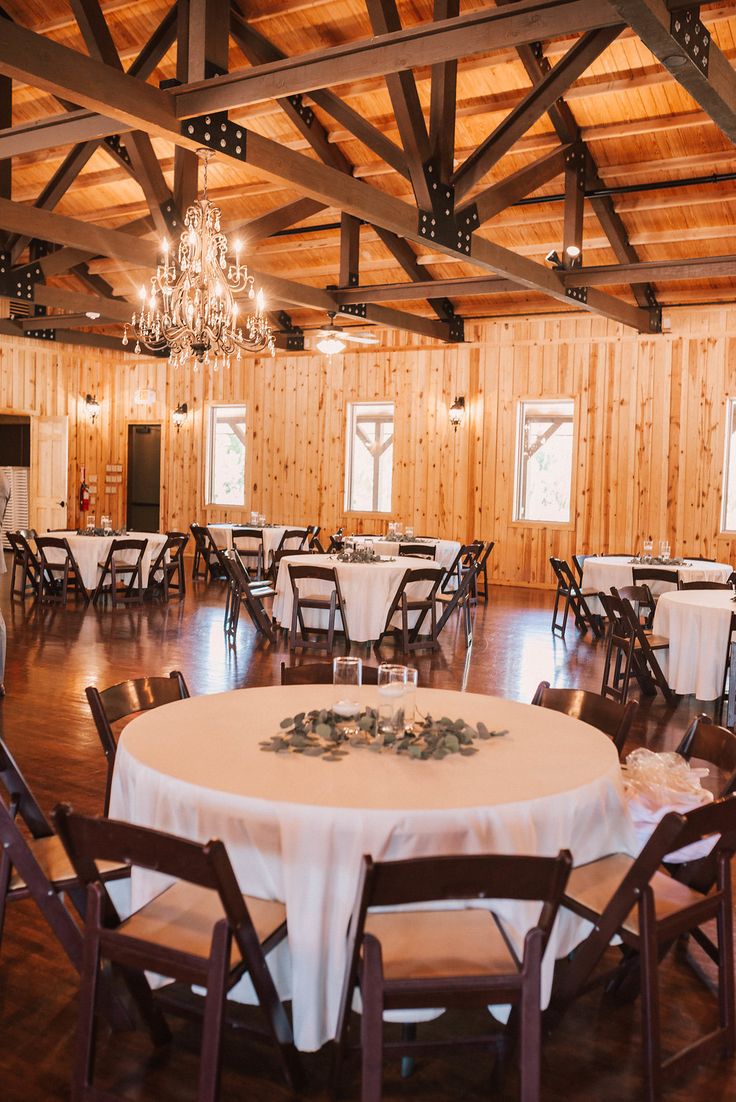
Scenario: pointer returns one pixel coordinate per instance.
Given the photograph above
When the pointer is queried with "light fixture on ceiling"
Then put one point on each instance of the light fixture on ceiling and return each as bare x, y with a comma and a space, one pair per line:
191, 307
457, 412
92, 406
333, 339
93, 315
574, 256
179, 415
331, 344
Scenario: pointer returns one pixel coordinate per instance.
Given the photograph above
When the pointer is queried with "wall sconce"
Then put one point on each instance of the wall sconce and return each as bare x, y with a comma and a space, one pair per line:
457, 412
92, 406
179, 415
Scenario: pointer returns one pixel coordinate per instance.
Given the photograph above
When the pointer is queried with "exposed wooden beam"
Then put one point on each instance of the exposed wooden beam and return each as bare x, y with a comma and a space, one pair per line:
402, 90
474, 33
57, 130
443, 101
572, 225
71, 336
402, 251
412, 292
544, 93
349, 251
257, 229
492, 200
399, 319
61, 299
61, 321
81, 236
714, 87
656, 271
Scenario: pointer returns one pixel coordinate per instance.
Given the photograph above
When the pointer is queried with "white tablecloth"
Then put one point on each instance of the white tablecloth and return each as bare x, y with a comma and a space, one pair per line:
296, 828
222, 534
445, 550
600, 572
696, 622
367, 590
91, 550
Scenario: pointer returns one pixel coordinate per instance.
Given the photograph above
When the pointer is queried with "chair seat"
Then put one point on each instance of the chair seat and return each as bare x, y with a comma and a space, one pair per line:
182, 917
121, 567
316, 600
435, 944
53, 860
656, 642
592, 886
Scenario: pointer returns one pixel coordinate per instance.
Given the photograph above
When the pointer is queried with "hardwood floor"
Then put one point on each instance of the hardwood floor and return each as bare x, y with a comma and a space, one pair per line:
54, 653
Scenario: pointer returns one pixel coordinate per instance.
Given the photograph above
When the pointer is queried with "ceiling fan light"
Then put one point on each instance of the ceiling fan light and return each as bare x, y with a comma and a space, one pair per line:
330, 345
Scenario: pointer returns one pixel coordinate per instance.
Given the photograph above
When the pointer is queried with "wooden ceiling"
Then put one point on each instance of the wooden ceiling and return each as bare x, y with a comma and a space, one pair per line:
370, 149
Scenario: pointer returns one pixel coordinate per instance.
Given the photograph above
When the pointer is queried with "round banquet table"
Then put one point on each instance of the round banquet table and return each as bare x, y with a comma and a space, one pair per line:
296, 828
600, 572
367, 590
91, 550
444, 554
697, 623
222, 534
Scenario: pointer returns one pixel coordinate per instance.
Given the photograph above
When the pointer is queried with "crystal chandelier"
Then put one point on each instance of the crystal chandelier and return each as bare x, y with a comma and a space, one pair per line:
191, 307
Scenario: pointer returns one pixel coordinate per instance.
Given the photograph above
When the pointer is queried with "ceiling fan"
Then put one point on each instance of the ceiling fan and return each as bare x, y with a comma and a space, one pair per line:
332, 338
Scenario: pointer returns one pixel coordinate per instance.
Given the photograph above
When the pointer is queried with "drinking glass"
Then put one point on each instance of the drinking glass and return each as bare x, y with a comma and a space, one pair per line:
347, 675
90, 523
391, 699
261, 519
411, 680
106, 524
662, 548
665, 551
399, 528
254, 519
409, 532
648, 544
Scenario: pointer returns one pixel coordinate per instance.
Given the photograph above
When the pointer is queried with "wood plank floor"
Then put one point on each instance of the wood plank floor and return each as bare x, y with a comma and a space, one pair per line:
54, 653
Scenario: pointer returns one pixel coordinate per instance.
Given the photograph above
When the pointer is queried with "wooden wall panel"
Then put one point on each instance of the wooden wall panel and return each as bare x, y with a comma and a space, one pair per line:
649, 448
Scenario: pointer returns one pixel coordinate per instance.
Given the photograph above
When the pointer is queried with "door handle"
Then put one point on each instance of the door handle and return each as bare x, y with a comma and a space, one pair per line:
62, 504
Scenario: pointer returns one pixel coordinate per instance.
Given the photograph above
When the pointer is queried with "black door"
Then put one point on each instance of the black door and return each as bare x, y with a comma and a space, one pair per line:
144, 477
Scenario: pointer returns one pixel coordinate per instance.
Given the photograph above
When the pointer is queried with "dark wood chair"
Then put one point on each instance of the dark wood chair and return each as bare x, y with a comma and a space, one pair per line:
248, 542
127, 698
635, 653
166, 574
642, 602
418, 550
34, 864
25, 564
728, 684
482, 575
703, 585
58, 578
313, 541
126, 578
406, 606
206, 553
647, 574
467, 554
459, 598
199, 930
245, 591
293, 540
569, 591
650, 911
578, 561
610, 717
698, 558
396, 958
302, 599
320, 673
284, 553
337, 542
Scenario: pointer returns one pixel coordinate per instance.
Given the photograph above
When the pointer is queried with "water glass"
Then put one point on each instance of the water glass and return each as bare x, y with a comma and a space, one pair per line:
262, 519
106, 524
254, 519
648, 544
347, 675
409, 532
411, 680
391, 699
391, 529
664, 548
90, 523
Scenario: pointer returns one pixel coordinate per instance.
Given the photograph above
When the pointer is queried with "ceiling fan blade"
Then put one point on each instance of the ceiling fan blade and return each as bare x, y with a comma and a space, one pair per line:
357, 338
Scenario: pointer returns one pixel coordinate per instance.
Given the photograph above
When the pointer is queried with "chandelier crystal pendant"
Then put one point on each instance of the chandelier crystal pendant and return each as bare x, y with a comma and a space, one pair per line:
191, 307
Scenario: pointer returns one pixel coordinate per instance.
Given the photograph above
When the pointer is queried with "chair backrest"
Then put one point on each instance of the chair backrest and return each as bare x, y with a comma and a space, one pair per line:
460, 595
90, 841
654, 574
320, 673
413, 574
706, 741
247, 533
485, 553
578, 562
698, 558
16, 546
293, 538
176, 544
118, 545
27, 533
422, 550
640, 597
464, 559
20, 797
316, 573
285, 553
58, 543
703, 585
565, 578
610, 717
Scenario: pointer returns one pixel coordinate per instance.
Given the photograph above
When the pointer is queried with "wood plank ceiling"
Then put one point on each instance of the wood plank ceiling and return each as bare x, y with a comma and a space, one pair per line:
405, 163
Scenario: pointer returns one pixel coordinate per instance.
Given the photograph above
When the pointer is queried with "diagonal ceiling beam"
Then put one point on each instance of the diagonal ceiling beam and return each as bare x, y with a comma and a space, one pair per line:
443, 101
492, 200
257, 229
543, 95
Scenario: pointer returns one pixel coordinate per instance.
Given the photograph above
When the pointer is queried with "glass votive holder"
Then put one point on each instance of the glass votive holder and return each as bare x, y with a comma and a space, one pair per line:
347, 675
411, 680
409, 533
391, 700
90, 523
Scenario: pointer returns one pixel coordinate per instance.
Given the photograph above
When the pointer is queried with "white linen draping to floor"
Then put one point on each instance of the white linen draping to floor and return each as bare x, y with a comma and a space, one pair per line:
222, 534
444, 555
296, 828
696, 622
600, 572
91, 550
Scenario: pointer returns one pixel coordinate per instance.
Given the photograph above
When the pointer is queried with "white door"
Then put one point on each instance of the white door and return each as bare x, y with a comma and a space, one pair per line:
49, 472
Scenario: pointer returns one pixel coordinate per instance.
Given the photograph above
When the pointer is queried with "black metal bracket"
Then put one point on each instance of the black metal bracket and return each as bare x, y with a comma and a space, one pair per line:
116, 145
442, 224
655, 319
690, 34
445, 305
217, 132
355, 309
171, 215
18, 283
456, 329
40, 334
580, 294
293, 333
306, 114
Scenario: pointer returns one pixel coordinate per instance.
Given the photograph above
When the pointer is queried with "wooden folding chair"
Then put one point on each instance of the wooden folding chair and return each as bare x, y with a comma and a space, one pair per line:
200, 930
302, 599
248, 542
166, 574
631, 652
57, 578
320, 673
250, 594
418, 550
649, 911
418, 606
569, 591
461, 597
24, 563
206, 553
313, 542
487, 547
433, 957
610, 717
127, 698
292, 542
703, 585
120, 570
34, 864
642, 602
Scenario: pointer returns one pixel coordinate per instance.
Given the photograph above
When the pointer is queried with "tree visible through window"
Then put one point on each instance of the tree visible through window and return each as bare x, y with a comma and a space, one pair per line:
544, 460
226, 456
370, 457
728, 506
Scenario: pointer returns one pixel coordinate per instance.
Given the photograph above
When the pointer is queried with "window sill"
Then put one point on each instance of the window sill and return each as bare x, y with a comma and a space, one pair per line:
557, 525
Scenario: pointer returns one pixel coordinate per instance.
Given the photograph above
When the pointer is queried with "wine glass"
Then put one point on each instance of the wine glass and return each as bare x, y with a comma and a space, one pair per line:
347, 675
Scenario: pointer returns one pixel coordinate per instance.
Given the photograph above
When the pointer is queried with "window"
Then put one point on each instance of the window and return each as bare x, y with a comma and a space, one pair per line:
728, 506
226, 455
544, 461
370, 457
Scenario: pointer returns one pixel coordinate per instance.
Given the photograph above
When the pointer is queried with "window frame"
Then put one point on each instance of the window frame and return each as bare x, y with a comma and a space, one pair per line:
728, 432
521, 403
349, 441
210, 409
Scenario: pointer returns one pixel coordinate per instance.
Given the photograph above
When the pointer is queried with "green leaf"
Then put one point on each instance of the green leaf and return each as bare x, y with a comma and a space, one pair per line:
415, 752
483, 731
365, 723
466, 751
452, 743
286, 723
299, 718
498, 734
314, 752
323, 730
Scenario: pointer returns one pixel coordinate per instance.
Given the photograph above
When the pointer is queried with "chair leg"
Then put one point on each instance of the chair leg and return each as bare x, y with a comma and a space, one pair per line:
84, 1057
331, 623
650, 1024
6, 870
371, 1025
214, 1015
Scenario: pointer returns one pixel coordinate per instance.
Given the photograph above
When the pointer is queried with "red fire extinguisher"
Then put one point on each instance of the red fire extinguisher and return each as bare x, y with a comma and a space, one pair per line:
83, 494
